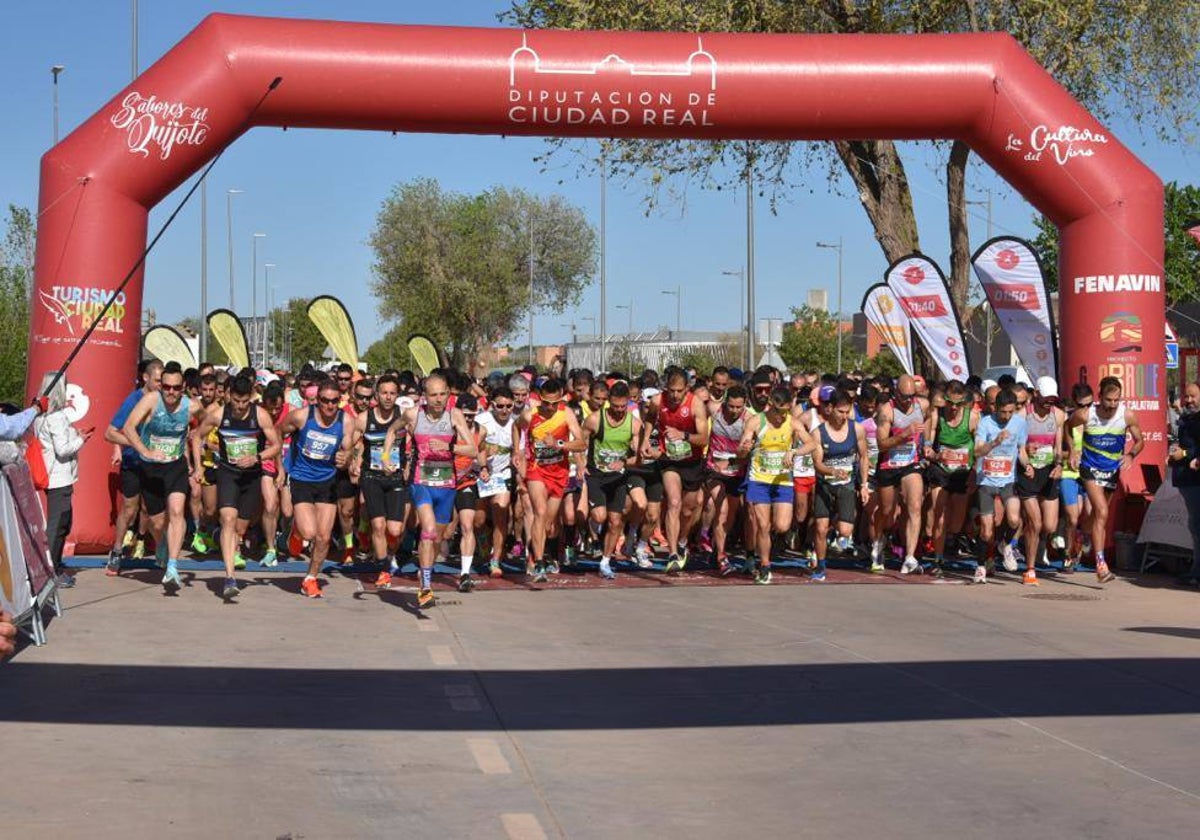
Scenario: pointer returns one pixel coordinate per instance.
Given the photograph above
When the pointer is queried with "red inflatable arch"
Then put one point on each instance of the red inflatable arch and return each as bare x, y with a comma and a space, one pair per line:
98, 185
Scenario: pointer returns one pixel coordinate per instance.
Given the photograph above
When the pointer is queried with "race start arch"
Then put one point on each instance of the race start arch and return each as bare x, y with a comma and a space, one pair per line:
99, 184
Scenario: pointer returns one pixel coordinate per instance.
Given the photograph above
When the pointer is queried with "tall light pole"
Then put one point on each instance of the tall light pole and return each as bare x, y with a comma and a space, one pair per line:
592, 318
678, 295
740, 274
988, 309
254, 288
571, 327
54, 71
838, 247
229, 194
603, 251
203, 270
749, 254
266, 307
629, 341
531, 285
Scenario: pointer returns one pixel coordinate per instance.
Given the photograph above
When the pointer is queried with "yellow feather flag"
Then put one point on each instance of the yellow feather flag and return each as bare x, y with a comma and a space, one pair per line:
225, 327
335, 325
424, 353
167, 345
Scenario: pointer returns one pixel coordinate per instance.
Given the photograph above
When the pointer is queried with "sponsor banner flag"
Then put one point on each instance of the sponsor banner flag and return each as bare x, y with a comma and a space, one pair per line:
225, 327
1015, 286
16, 594
889, 321
920, 289
167, 345
335, 325
424, 353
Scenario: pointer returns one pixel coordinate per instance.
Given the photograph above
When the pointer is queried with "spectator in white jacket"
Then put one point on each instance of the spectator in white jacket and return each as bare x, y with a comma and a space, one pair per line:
60, 443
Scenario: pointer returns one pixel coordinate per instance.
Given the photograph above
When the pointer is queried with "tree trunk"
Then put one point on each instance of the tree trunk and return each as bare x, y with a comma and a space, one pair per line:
878, 173
960, 235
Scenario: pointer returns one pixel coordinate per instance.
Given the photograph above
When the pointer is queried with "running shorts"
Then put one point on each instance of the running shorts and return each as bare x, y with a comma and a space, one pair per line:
553, 477
240, 489
1041, 486
735, 485
607, 490
441, 499
313, 492
384, 497
762, 493
160, 480
1106, 479
1070, 490
466, 498
131, 481
802, 485
836, 501
691, 473
987, 496
648, 479
954, 482
343, 487
893, 477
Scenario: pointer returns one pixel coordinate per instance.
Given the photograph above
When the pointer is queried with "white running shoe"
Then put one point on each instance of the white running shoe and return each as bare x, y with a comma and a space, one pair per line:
980, 575
876, 550
910, 565
1008, 557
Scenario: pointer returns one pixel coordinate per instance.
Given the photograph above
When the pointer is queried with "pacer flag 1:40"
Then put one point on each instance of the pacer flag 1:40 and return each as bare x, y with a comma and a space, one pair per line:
920, 288
1015, 286
887, 318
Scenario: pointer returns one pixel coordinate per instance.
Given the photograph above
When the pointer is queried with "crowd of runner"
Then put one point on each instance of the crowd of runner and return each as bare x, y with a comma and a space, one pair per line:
529, 475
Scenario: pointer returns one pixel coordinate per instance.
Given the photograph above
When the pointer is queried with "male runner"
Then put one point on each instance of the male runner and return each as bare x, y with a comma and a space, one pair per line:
202, 498
125, 457
1070, 489
610, 434
438, 433
645, 484
157, 429
496, 478
247, 438
1102, 456
321, 441
385, 492
1000, 445
466, 486
900, 428
841, 464
551, 433
726, 468
951, 462
273, 488
1038, 483
682, 420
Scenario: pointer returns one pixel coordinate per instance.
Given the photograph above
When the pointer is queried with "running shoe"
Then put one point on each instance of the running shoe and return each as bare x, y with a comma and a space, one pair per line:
568, 557
877, 568
230, 590
1069, 565
606, 571
518, 550
539, 574
112, 567
762, 575
910, 566
810, 557
817, 577
1008, 557
425, 599
658, 539
139, 549
270, 560
171, 582
384, 580
675, 564
160, 555
706, 545
844, 545
980, 575
724, 567
494, 569
199, 546
465, 583
642, 556
1030, 578
310, 588
239, 562
126, 540
927, 547
1103, 574
937, 569
553, 568
876, 553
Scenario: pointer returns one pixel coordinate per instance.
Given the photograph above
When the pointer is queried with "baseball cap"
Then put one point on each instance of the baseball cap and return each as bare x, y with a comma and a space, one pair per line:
825, 393
650, 393
1047, 386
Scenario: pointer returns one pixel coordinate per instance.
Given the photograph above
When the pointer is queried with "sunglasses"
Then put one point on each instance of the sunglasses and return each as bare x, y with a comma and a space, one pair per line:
171, 387
762, 389
362, 396
502, 406
345, 379
328, 400
956, 402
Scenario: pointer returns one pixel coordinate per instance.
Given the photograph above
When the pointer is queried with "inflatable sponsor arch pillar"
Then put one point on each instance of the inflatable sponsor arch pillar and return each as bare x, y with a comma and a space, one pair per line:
99, 184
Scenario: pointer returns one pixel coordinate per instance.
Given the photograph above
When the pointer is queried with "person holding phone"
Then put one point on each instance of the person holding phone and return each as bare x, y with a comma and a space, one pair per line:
60, 442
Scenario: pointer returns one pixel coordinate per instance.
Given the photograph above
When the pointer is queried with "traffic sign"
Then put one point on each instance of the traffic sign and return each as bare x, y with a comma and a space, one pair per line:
1172, 355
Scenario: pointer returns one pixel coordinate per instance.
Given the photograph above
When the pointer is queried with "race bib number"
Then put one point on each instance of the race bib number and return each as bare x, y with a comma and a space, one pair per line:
997, 467
725, 463
377, 457
904, 455
845, 464
1041, 456
610, 460
241, 447
677, 450
436, 474
319, 446
547, 453
803, 465
955, 460
170, 446
772, 463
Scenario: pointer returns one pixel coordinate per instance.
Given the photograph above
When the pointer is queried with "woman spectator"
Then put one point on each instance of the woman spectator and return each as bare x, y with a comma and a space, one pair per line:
60, 443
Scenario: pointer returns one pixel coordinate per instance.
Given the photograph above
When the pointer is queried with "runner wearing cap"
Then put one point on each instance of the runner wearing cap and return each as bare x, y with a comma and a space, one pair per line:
1102, 456
1038, 483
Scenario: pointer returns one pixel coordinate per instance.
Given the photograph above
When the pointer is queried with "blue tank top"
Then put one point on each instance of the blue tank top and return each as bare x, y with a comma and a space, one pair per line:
840, 455
1103, 441
165, 431
314, 448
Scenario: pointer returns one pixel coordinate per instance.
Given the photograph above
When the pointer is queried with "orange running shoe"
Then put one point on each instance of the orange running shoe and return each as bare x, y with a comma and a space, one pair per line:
495, 570
1030, 578
425, 598
295, 544
384, 580
310, 588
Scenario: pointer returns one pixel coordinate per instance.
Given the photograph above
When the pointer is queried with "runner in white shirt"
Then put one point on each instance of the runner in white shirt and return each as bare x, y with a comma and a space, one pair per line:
496, 479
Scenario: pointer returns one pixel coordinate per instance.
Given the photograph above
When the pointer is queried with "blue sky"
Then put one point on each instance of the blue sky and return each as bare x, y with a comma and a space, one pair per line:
315, 193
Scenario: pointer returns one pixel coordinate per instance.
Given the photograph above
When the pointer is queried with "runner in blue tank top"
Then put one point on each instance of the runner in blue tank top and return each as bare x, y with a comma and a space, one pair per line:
157, 429
1106, 425
321, 441
842, 465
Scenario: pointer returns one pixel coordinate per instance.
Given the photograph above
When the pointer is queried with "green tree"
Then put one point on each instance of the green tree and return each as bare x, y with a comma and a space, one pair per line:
16, 281
704, 357
627, 357
391, 351
811, 341
457, 267
1181, 207
1130, 57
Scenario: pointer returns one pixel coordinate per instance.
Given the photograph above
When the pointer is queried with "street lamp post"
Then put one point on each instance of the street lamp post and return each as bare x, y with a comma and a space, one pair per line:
629, 306
988, 309
678, 295
254, 288
837, 247
531, 286
740, 274
571, 327
54, 71
203, 270
749, 254
592, 318
229, 194
267, 308
603, 251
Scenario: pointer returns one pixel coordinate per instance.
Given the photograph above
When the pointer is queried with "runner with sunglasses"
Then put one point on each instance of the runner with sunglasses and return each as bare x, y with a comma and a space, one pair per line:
466, 485
901, 428
726, 469
610, 436
496, 477
1038, 483
950, 473
385, 492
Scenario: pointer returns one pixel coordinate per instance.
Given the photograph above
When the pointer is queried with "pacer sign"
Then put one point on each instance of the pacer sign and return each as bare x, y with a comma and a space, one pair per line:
1012, 280
920, 287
